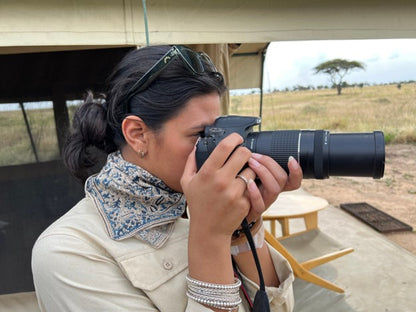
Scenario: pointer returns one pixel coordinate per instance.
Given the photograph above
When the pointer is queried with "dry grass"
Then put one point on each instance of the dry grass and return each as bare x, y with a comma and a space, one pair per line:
15, 145
365, 109
384, 108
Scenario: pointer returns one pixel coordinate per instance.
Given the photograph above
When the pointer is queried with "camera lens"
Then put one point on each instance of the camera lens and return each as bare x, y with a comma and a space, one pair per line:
322, 154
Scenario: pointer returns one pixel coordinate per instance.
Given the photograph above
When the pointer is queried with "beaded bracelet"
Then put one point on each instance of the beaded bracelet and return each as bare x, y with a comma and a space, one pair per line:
254, 228
238, 232
258, 239
219, 296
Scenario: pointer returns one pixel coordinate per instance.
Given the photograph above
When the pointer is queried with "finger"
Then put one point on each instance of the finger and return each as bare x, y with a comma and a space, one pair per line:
237, 160
222, 152
245, 176
295, 175
256, 200
271, 175
190, 169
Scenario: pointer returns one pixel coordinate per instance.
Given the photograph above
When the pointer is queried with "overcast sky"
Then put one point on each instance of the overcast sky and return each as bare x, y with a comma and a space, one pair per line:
291, 63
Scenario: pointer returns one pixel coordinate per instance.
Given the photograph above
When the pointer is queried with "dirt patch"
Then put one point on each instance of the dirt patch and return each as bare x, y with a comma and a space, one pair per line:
394, 194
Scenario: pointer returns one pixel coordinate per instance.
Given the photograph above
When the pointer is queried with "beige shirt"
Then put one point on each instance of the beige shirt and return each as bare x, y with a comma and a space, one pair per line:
77, 267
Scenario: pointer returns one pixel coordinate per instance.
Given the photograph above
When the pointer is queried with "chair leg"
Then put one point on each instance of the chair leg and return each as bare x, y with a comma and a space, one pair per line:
310, 264
317, 280
299, 270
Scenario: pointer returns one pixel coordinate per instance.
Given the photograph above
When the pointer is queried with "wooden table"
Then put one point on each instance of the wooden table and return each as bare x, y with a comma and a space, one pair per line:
295, 204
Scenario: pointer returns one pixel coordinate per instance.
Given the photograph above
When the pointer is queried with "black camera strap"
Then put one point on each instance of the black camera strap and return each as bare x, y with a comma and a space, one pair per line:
261, 301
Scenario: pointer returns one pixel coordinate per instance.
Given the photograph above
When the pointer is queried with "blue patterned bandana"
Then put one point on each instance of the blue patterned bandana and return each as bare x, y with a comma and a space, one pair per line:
133, 202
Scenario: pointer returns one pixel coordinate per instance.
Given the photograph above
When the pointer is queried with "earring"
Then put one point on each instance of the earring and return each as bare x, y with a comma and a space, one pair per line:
142, 154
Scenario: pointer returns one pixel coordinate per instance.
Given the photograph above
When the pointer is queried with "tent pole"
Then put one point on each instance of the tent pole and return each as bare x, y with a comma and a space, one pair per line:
145, 21
263, 56
29, 132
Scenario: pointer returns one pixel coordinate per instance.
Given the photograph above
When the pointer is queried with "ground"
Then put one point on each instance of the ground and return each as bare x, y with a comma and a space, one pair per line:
394, 194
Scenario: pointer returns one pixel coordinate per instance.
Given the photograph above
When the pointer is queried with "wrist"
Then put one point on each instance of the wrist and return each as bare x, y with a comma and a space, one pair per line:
241, 244
209, 257
239, 237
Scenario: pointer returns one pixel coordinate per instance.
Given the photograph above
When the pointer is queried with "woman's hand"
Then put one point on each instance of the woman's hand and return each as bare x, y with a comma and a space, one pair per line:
274, 180
217, 205
215, 196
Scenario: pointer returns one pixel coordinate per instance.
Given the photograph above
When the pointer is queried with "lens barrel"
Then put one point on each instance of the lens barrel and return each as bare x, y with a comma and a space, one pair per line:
322, 154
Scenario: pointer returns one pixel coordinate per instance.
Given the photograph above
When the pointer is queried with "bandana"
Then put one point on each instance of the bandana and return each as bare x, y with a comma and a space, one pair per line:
133, 202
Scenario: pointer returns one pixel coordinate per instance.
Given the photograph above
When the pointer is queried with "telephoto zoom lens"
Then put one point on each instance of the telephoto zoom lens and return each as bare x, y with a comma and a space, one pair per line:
322, 154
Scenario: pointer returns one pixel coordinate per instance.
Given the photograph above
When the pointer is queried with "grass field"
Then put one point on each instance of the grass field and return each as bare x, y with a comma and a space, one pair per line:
384, 108
15, 147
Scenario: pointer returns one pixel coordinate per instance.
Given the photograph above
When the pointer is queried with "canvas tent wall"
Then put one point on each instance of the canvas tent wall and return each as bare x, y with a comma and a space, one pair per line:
50, 25
61, 24
56, 49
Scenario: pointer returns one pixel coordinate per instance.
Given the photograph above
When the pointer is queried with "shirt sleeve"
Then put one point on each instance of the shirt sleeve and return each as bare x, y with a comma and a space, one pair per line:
97, 285
281, 298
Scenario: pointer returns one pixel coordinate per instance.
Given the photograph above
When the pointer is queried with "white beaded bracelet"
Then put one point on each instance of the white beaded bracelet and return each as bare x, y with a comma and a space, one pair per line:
219, 296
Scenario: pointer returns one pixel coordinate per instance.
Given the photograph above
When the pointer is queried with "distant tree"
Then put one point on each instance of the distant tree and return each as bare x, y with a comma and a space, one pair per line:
337, 69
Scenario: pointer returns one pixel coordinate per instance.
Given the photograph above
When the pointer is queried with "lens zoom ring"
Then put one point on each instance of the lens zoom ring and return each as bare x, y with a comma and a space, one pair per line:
283, 145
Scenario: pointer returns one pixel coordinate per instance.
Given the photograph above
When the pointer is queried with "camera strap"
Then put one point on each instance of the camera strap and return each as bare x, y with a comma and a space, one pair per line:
261, 301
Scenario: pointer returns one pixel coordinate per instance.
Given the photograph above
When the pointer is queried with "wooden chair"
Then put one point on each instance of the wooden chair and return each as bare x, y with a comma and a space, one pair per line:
302, 269
299, 204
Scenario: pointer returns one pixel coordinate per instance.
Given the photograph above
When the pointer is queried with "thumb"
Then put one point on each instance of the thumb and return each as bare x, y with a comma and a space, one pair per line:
190, 168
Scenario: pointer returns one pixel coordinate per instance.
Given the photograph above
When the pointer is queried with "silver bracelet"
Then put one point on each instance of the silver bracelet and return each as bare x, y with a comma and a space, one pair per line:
219, 296
258, 242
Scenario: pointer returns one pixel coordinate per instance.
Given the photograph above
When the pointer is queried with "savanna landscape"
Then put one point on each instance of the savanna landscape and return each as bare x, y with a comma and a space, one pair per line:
386, 108
358, 109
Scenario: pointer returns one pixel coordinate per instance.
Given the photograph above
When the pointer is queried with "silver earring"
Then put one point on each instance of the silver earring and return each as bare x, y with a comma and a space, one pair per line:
142, 154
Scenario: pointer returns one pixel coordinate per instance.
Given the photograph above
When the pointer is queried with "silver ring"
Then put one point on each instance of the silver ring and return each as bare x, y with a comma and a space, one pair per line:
242, 178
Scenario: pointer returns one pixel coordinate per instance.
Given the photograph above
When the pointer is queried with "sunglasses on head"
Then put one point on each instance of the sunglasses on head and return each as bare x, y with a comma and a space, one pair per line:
194, 62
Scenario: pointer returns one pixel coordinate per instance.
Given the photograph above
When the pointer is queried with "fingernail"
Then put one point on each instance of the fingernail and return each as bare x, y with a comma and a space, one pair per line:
197, 141
294, 162
256, 155
254, 162
251, 185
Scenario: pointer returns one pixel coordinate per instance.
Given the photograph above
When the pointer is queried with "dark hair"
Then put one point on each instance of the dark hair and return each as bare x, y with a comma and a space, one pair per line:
97, 122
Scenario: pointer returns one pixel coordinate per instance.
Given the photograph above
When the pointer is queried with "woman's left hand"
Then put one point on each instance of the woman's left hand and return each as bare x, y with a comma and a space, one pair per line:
274, 180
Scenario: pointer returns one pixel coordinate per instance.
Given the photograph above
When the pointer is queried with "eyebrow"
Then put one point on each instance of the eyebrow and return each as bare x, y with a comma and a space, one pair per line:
199, 126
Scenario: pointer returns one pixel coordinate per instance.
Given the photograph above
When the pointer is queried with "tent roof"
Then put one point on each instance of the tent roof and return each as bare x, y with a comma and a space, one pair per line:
61, 25
27, 25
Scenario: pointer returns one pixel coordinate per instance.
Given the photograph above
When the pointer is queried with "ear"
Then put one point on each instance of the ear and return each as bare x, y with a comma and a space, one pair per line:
135, 132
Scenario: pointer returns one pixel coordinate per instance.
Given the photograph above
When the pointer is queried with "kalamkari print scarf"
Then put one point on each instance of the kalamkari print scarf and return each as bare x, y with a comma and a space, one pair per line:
133, 202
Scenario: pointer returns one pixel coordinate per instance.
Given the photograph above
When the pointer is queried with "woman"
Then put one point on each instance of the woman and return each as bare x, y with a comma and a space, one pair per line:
125, 246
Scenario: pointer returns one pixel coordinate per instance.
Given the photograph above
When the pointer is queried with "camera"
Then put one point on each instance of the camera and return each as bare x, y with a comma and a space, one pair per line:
321, 154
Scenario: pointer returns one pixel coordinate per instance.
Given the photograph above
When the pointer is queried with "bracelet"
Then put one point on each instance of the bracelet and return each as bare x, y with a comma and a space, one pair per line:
254, 228
258, 239
238, 232
219, 296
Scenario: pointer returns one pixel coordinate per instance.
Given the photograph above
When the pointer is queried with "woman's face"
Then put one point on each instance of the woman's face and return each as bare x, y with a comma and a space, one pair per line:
170, 148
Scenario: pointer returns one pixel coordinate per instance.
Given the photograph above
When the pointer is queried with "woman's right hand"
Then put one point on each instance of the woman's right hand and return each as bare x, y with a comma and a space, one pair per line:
216, 198
217, 202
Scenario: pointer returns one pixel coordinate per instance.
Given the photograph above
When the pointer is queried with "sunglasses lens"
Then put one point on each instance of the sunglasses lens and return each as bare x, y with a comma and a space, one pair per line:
193, 60
209, 63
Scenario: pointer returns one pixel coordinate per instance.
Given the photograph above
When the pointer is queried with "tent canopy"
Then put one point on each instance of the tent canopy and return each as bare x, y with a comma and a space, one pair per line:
49, 24
57, 25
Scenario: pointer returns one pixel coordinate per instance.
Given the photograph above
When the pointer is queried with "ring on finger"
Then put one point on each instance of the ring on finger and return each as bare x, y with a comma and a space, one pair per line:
242, 178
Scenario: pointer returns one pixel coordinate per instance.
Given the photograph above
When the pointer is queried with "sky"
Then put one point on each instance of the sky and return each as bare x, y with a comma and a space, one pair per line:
291, 63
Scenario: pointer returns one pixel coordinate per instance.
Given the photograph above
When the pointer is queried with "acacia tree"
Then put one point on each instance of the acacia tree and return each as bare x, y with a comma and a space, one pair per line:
337, 69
